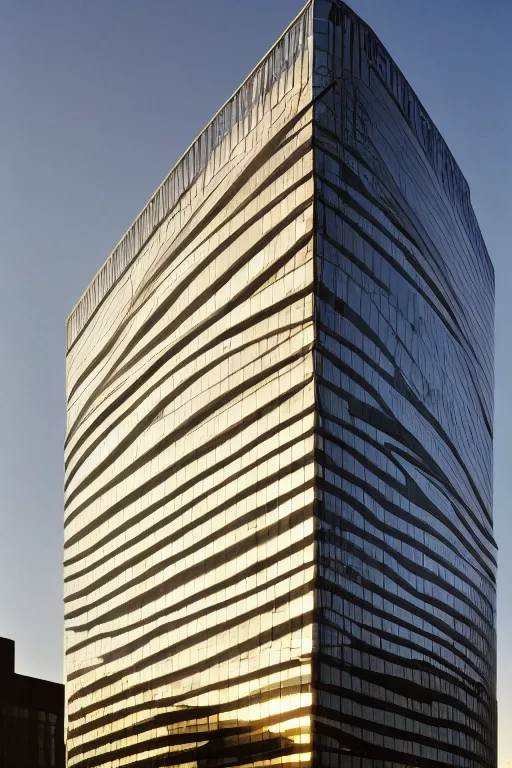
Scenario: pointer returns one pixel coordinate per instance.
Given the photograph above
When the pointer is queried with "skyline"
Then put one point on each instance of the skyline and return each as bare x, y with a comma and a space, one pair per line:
476, 193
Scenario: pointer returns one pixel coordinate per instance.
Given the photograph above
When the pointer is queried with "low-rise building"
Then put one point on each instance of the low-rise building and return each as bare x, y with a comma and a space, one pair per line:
31, 717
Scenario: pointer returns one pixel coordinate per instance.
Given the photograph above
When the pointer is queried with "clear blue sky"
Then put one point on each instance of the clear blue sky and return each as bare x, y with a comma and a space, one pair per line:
99, 99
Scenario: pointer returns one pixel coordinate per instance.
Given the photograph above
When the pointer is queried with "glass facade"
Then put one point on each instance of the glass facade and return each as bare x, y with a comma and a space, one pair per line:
278, 522
404, 372
30, 738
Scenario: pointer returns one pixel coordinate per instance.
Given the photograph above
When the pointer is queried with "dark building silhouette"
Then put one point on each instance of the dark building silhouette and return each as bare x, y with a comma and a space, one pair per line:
31, 717
278, 519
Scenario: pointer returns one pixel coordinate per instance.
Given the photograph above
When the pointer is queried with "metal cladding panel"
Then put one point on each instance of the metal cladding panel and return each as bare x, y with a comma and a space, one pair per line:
404, 366
189, 546
278, 526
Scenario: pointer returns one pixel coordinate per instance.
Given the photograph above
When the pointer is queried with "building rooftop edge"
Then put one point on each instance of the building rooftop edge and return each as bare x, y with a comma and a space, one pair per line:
353, 13
39, 680
191, 145
185, 154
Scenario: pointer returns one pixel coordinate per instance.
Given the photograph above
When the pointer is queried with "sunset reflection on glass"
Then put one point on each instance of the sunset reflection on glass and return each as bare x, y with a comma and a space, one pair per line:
279, 544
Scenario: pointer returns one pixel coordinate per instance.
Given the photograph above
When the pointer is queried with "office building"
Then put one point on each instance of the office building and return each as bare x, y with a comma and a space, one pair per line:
31, 717
278, 527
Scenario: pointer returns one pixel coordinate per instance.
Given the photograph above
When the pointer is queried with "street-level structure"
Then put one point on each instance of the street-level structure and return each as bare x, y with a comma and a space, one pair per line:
31, 717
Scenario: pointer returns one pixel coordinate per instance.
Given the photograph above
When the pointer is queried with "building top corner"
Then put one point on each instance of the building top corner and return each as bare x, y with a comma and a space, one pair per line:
184, 172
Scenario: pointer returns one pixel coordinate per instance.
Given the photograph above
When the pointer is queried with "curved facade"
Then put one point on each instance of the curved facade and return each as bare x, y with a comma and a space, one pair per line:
278, 522
404, 373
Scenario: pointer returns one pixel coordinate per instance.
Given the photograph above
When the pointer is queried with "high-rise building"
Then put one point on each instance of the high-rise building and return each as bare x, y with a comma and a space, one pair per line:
279, 544
31, 717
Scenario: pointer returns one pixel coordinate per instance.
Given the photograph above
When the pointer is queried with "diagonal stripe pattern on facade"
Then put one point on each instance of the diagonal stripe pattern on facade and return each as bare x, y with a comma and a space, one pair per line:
278, 512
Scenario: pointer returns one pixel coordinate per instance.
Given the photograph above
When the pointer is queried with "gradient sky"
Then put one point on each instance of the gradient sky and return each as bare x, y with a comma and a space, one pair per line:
99, 99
